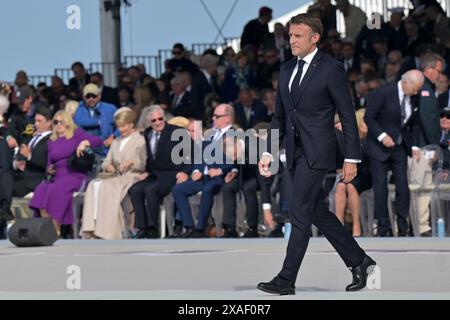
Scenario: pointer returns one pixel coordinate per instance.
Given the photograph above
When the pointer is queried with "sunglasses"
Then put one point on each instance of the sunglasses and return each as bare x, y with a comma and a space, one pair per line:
218, 116
176, 52
91, 96
158, 119
58, 122
444, 115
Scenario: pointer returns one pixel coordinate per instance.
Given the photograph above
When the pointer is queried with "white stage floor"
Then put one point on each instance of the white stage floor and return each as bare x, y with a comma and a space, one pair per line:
215, 269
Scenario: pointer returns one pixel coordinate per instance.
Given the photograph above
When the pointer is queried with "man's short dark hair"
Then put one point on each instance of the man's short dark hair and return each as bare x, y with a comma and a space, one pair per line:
45, 112
265, 11
97, 74
77, 64
307, 19
179, 46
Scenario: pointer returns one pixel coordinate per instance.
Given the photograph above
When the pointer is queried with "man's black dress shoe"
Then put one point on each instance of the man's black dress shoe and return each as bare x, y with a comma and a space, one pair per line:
6, 214
186, 234
251, 233
230, 233
278, 286
198, 234
152, 233
360, 273
277, 232
385, 233
141, 234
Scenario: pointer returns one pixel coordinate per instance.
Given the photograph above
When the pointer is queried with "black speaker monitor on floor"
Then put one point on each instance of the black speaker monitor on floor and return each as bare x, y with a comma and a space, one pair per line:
35, 232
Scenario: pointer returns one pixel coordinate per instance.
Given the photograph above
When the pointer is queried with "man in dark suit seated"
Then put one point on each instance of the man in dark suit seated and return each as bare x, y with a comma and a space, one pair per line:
207, 176
249, 181
249, 111
29, 165
388, 114
161, 174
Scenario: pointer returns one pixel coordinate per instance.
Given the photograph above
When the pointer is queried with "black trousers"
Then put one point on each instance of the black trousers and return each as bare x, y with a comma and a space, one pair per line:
11, 185
307, 207
146, 196
398, 162
229, 192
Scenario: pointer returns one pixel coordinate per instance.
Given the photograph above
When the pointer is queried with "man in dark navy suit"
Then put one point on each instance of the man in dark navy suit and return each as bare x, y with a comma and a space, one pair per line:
207, 176
388, 114
312, 87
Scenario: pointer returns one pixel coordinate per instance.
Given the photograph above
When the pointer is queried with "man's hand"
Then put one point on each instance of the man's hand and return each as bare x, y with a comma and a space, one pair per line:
268, 219
107, 143
388, 142
263, 166
143, 176
20, 165
182, 177
196, 176
349, 172
230, 176
212, 173
25, 151
125, 167
12, 142
110, 169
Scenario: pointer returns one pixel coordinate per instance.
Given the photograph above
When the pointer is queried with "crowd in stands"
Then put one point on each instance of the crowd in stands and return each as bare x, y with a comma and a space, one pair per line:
128, 128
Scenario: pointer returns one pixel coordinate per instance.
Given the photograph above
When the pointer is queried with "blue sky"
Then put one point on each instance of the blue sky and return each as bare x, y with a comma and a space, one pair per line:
35, 37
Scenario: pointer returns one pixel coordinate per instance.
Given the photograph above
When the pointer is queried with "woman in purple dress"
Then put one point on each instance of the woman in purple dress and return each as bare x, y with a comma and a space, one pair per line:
54, 198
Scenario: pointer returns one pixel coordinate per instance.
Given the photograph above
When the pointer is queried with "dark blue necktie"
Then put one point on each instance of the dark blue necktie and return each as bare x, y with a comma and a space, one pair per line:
295, 88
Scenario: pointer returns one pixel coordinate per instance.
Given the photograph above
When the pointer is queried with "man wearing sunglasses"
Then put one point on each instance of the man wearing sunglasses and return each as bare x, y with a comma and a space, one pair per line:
207, 177
96, 117
179, 62
160, 176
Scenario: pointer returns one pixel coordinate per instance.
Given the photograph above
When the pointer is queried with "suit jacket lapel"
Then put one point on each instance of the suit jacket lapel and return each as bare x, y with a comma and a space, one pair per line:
309, 74
162, 139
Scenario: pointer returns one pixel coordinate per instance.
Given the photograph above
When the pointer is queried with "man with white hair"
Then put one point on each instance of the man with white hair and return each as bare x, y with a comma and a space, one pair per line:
160, 176
207, 176
388, 114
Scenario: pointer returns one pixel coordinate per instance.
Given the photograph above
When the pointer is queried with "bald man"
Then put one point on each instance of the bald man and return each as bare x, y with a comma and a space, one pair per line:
388, 115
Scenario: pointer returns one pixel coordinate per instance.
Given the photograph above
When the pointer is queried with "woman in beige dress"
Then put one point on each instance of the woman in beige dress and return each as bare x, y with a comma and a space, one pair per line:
104, 215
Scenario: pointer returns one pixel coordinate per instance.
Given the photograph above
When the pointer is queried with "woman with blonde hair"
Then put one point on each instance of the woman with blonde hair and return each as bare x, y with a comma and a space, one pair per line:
103, 215
143, 98
53, 197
